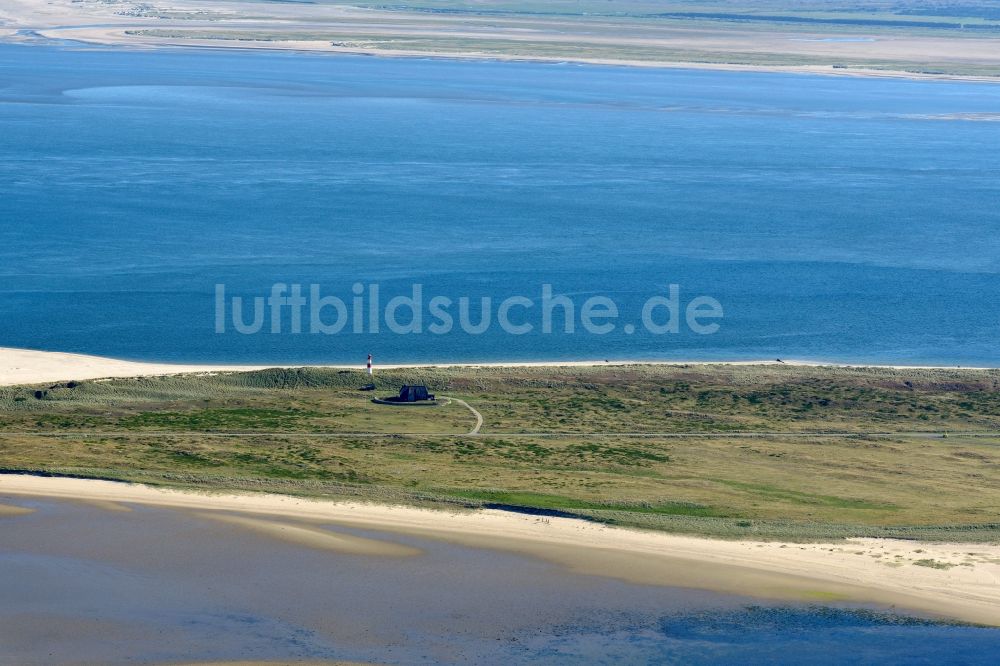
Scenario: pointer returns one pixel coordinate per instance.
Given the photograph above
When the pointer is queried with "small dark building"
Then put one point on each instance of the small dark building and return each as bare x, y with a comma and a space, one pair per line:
414, 393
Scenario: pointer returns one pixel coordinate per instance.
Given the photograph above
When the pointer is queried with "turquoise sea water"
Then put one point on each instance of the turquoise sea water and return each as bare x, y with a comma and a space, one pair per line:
833, 218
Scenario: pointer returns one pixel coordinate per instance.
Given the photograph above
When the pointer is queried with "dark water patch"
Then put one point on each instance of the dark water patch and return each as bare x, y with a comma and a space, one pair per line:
533, 511
759, 635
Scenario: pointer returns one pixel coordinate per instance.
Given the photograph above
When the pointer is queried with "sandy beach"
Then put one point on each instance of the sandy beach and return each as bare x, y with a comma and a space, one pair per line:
964, 584
28, 366
25, 366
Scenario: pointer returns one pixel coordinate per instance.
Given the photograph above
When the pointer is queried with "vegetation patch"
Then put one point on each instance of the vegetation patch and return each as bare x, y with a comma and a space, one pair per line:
933, 564
764, 452
215, 419
781, 494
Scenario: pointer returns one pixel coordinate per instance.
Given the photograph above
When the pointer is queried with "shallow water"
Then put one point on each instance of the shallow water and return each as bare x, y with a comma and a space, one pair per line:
833, 218
81, 584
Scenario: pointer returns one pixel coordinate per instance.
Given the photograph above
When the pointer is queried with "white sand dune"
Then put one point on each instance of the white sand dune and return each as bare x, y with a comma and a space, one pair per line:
28, 366
25, 366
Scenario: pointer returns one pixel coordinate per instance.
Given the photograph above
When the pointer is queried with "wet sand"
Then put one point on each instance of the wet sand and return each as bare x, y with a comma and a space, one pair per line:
171, 585
168, 586
8, 510
313, 537
283, 662
963, 583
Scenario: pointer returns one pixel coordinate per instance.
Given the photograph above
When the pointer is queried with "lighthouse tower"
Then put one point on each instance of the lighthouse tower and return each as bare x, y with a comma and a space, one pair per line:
370, 386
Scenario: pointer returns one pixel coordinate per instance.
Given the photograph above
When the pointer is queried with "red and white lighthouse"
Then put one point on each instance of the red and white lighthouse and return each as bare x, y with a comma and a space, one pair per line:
369, 365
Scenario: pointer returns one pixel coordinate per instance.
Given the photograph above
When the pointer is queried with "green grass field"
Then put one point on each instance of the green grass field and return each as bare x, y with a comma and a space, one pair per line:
737, 451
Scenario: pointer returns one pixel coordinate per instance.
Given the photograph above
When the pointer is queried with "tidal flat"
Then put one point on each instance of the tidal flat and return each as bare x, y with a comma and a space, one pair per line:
153, 585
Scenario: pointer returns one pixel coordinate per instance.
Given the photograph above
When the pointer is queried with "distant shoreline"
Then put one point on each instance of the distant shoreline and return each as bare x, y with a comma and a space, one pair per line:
863, 51
29, 366
293, 48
